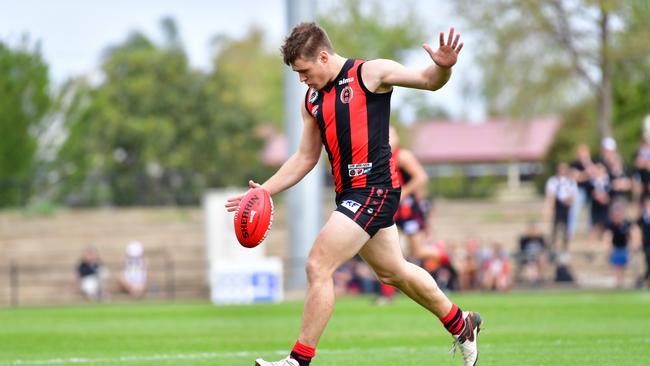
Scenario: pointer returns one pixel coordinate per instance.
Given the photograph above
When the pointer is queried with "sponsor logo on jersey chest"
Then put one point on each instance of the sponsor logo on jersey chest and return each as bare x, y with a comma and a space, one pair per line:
346, 95
355, 170
346, 80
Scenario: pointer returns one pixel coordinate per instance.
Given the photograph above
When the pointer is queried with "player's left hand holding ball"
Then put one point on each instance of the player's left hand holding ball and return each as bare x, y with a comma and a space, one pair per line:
253, 215
233, 202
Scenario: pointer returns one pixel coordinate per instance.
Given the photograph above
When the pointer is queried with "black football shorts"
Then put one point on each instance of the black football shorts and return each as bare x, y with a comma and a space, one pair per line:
372, 208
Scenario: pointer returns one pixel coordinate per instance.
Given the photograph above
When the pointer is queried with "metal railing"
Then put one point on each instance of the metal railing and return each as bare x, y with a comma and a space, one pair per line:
22, 280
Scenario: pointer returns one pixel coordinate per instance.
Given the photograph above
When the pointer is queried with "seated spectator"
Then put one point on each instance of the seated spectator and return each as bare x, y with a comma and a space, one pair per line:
90, 273
562, 269
441, 268
134, 277
363, 279
530, 258
468, 267
496, 269
618, 236
342, 278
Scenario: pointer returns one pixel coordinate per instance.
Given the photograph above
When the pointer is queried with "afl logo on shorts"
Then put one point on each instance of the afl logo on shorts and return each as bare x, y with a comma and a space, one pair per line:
346, 95
313, 95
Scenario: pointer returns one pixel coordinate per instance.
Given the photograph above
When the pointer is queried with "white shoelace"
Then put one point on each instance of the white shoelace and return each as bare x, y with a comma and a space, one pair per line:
454, 345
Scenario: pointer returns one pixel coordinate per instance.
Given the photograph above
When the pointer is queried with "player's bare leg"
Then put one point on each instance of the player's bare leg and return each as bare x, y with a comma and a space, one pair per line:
338, 241
384, 255
416, 250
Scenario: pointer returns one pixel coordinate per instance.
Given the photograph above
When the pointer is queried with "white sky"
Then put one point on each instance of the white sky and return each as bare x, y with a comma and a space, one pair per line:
74, 34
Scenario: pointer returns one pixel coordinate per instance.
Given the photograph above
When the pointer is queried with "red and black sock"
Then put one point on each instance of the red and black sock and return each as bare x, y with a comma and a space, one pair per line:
454, 321
303, 354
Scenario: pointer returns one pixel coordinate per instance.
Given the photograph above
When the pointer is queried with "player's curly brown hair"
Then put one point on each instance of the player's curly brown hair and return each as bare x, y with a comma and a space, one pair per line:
306, 40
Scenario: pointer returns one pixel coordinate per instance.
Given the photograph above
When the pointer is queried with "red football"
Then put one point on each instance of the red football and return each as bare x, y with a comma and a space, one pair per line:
254, 217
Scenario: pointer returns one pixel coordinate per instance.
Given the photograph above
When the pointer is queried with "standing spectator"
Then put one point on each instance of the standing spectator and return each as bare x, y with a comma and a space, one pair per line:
561, 191
644, 225
608, 153
618, 235
134, 276
642, 169
90, 273
599, 189
581, 168
531, 250
621, 183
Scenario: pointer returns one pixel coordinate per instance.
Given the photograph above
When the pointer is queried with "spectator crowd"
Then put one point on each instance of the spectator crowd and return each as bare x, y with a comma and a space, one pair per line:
615, 198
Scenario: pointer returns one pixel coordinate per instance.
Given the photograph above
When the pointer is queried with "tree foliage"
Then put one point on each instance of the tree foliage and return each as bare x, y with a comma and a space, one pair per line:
154, 131
251, 74
631, 78
24, 101
587, 61
366, 30
542, 57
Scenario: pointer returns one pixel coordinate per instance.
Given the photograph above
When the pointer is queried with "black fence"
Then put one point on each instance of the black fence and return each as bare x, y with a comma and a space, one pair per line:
23, 283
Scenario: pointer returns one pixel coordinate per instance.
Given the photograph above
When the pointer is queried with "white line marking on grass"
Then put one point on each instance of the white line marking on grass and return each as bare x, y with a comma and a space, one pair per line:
281, 353
192, 356
134, 358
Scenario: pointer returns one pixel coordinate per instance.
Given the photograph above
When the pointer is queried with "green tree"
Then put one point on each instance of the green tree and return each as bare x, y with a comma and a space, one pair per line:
24, 101
630, 88
249, 72
545, 56
631, 79
154, 131
377, 34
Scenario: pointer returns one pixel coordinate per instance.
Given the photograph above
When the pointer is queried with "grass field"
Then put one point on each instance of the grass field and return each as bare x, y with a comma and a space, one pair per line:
563, 328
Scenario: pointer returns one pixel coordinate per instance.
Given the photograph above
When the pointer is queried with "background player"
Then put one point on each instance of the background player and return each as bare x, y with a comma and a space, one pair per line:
409, 218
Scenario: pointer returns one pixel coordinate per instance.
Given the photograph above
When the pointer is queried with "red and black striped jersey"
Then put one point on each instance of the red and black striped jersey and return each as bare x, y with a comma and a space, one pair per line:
403, 176
353, 123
